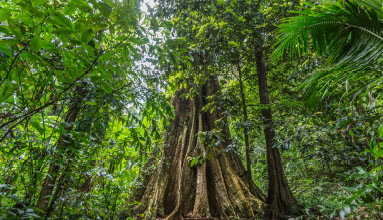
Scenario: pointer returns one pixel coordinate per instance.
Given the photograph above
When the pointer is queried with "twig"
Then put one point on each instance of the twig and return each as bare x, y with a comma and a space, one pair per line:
343, 189
13, 63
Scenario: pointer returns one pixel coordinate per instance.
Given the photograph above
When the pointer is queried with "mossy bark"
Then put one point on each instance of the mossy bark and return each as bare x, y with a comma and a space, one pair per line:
216, 188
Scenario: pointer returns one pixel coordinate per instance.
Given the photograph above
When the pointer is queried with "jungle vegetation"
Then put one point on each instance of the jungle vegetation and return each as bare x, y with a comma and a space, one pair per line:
189, 109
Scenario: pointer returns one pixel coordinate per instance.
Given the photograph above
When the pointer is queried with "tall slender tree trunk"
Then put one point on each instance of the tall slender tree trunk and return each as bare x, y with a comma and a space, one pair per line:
215, 187
49, 184
245, 128
279, 197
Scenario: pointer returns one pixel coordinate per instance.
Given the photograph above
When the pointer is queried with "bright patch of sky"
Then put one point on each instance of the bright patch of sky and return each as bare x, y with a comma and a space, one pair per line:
144, 7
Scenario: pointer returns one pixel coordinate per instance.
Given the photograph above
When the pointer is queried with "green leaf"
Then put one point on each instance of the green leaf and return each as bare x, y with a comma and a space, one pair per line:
146, 122
48, 45
35, 44
135, 40
61, 19
194, 161
350, 38
66, 125
91, 103
87, 35
109, 2
32, 215
38, 2
106, 87
82, 5
74, 150
5, 51
356, 195
37, 126
234, 44
4, 30
125, 53
4, 14
132, 3
121, 38
168, 24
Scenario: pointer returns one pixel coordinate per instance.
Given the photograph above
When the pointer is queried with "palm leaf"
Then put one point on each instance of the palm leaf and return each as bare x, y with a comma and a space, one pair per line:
348, 33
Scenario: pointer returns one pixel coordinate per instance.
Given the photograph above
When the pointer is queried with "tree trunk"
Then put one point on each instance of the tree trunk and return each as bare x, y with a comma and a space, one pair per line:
279, 197
53, 172
216, 187
245, 128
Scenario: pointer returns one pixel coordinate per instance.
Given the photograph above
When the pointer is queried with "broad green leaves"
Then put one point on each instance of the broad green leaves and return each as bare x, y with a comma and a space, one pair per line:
35, 44
73, 93
4, 14
87, 35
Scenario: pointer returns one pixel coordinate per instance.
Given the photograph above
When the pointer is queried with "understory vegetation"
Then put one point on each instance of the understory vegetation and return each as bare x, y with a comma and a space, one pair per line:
183, 109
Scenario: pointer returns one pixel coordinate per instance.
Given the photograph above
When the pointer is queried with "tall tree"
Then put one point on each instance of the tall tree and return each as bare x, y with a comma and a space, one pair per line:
249, 31
196, 178
279, 197
239, 29
245, 121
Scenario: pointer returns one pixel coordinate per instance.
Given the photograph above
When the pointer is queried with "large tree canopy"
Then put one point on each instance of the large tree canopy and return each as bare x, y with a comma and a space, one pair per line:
221, 109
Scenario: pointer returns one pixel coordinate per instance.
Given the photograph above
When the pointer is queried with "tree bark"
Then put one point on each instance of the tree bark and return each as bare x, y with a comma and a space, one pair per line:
216, 187
279, 197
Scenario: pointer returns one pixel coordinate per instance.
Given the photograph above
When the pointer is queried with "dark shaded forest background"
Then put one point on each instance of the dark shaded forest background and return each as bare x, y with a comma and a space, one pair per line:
90, 93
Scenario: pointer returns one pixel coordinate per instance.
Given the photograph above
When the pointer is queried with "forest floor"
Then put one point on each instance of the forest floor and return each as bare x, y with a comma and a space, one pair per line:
196, 218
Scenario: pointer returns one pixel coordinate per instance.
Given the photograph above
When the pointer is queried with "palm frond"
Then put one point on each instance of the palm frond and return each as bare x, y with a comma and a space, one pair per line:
349, 34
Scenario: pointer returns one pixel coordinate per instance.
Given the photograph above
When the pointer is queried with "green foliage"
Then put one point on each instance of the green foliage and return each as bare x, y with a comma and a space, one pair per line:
345, 38
348, 34
87, 86
71, 95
